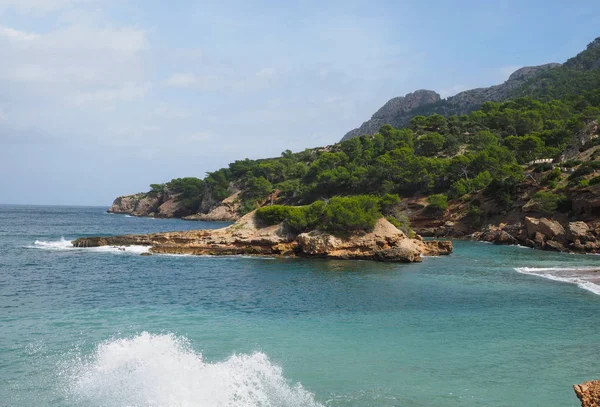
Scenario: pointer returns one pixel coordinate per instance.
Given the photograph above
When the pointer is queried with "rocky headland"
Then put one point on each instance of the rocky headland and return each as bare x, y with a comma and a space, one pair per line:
247, 237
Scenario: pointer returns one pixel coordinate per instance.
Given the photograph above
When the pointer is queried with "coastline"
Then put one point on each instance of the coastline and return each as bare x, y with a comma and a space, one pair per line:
246, 237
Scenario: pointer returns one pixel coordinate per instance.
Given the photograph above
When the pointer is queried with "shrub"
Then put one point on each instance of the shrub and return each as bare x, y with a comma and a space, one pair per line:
595, 180
388, 202
542, 167
274, 214
550, 202
402, 222
474, 216
554, 175
571, 163
438, 203
347, 214
300, 218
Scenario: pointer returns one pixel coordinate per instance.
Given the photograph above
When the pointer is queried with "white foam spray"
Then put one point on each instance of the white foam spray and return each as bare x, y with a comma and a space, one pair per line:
586, 278
163, 370
63, 244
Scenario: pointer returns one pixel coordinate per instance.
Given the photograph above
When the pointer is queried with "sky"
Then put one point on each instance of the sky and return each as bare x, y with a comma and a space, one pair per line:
100, 98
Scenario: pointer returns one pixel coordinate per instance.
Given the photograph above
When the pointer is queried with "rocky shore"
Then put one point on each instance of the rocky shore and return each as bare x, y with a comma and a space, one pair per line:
247, 237
588, 393
544, 234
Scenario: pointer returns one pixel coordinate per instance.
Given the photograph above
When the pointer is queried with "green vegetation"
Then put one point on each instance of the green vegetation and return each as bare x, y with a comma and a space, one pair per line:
462, 156
341, 215
438, 204
550, 202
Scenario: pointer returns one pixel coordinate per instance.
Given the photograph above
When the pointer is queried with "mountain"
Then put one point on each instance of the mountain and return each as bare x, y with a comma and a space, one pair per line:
549, 81
398, 111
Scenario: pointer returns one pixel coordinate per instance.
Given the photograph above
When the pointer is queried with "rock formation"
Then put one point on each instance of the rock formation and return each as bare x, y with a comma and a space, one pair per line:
588, 393
384, 243
227, 211
545, 234
167, 205
398, 111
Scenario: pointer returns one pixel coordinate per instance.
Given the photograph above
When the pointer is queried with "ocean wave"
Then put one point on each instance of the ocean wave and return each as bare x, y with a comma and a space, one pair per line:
164, 370
63, 244
583, 277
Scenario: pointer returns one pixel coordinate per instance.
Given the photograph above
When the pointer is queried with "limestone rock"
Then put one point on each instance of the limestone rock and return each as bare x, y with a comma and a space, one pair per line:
532, 226
577, 230
384, 243
553, 245
548, 228
588, 393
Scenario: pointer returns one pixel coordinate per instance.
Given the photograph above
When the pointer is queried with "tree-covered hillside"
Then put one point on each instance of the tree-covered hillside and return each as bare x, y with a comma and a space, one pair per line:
485, 150
488, 153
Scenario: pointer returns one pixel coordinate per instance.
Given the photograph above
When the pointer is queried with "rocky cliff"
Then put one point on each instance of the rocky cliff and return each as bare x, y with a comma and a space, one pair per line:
168, 205
247, 237
398, 111
159, 205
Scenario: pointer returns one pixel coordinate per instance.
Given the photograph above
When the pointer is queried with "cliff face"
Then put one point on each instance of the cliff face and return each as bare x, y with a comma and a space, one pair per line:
167, 205
400, 110
246, 237
160, 205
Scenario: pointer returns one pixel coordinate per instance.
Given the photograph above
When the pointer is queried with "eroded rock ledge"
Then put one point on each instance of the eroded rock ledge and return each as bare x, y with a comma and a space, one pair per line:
384, 243
588, 393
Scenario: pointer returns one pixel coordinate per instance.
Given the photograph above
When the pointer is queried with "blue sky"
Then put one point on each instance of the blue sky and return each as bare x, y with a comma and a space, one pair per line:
100, 98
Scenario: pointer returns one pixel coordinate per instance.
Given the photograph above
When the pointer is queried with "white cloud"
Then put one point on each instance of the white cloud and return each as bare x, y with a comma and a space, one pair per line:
198, 137
17, 35
73, 55
124, 93
334, 99
169, 112
266, 73
190, 80
29, 6
183, 80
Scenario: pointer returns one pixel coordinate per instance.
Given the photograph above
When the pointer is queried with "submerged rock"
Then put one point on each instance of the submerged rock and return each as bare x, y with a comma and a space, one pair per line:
588, 393
384, 243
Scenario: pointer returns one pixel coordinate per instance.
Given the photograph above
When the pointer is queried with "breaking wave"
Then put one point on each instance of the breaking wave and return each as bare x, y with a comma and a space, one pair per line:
63, 244
163, 370
587, 278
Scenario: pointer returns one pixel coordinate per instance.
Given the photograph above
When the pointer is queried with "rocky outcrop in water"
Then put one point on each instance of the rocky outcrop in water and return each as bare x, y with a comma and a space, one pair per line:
398, 111
246, 237
544, 234
588, 393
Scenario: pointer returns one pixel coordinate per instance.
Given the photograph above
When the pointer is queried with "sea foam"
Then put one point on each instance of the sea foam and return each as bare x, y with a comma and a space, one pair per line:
584, 277
163, 370
63, 244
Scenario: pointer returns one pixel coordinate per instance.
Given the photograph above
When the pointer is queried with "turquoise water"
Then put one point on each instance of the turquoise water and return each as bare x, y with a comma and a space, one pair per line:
85, 327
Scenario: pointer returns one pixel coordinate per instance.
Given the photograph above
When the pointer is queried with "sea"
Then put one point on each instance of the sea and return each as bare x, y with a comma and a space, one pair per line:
486, 326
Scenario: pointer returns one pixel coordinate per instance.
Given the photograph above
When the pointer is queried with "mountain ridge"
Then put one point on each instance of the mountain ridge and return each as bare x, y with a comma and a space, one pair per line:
462, 103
